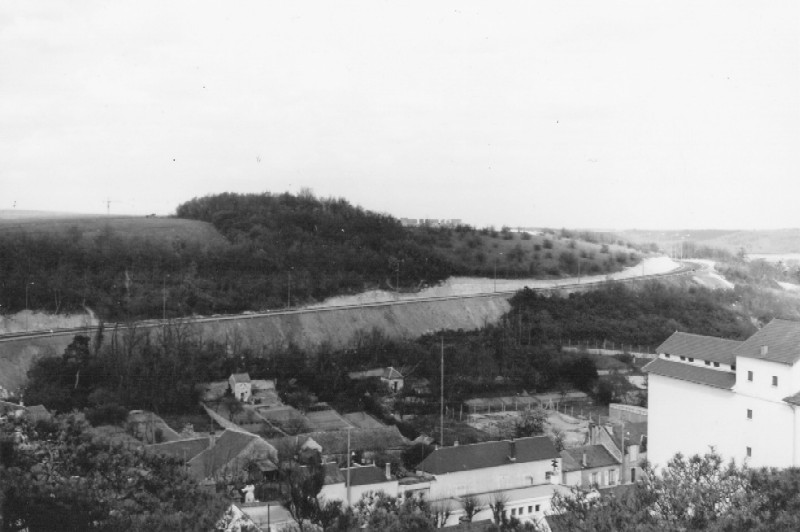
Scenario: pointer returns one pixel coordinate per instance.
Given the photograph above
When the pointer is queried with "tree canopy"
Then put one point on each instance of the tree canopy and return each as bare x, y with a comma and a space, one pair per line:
58, 476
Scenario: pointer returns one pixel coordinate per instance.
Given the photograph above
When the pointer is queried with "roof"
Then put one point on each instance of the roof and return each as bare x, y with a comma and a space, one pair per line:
362, 420
698, 346
182, 449
488, 454
690, 373
335, 442
383, 373
782, 341
596, 456
793, 399
363, 475
229, 446
240, 377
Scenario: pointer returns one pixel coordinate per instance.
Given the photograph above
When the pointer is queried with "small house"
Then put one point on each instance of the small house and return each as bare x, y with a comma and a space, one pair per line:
241, 386
389, 375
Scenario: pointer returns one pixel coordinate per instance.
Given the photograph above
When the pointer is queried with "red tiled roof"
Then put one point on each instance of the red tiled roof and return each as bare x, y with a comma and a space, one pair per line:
701, 347
488, 454
782, 341
691, 373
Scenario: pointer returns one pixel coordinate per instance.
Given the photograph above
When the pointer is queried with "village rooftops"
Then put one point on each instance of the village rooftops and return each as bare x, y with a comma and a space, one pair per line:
596, 456
335, 442
700, 347
183, 450
778, 341
488, 454
687, 372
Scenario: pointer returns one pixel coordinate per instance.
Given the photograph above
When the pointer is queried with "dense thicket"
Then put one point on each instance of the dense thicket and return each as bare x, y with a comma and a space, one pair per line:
641, 316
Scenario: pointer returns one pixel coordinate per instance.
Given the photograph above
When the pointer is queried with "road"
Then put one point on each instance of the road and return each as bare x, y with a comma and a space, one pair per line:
484, 288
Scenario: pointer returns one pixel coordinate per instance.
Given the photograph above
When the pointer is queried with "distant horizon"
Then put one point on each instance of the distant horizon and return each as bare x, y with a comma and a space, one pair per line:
28, 214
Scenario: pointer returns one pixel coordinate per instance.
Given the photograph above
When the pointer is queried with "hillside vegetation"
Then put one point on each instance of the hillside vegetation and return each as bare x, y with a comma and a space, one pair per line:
236, 252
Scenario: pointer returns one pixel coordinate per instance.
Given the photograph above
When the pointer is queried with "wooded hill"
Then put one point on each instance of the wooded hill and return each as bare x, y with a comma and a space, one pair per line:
236, 252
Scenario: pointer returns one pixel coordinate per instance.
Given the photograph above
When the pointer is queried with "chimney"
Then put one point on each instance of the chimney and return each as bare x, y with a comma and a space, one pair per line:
584, 463
764, 350
388, 471
512, 451
212, 439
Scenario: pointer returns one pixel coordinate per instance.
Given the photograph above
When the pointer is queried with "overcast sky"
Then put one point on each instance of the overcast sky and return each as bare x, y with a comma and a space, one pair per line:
564, 114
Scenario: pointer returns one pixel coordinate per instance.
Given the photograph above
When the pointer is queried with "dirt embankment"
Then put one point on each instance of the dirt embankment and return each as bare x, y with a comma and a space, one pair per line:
309, 330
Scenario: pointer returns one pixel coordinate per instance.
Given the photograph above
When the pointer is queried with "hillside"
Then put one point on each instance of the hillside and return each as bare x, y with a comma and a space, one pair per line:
232, 253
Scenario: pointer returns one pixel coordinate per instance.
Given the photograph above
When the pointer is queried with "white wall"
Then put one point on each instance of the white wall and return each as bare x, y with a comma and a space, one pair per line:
688, 418
508, 476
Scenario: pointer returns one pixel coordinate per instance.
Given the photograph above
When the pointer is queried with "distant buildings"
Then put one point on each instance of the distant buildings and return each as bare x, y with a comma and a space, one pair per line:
430, 222
742, 398
388, 375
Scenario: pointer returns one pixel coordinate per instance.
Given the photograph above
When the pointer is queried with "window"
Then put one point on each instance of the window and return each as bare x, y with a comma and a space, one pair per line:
633, 474
513, 511
691, 359
683, 359
749, 452
774, 380
666, 355
594, 478
750, 376
733, 367
708, 363
716, 364
612, 477
537, 507
749, 414
530, 509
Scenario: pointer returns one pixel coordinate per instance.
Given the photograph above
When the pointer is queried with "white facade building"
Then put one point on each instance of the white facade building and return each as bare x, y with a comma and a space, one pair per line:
739, 397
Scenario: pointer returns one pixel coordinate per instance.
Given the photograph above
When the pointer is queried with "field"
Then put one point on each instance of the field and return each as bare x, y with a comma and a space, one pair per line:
159, 229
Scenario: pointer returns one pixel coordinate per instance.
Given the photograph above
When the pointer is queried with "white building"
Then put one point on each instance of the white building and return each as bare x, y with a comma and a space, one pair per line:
241, 386
739, 397
525, 472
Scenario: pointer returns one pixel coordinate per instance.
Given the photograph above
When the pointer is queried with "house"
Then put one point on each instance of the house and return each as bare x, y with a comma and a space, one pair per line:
230, 455
362, 479
240, 386
739, 397
492, 466
524, 472
590, 466
392, 377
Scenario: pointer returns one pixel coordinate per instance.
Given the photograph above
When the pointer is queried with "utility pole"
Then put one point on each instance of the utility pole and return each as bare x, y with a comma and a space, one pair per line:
441, 396
27, 285
164, 299
289, 290
348, 467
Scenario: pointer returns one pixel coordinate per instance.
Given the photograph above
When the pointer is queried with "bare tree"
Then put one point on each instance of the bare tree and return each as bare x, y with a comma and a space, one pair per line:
469, 503
498, 506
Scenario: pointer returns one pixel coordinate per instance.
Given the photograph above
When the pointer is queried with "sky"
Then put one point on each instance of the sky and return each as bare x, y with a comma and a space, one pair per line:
608, 115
